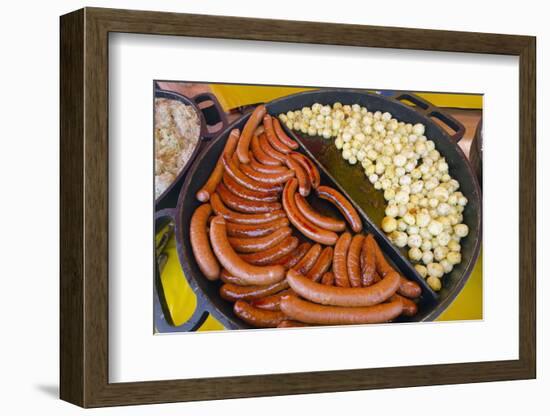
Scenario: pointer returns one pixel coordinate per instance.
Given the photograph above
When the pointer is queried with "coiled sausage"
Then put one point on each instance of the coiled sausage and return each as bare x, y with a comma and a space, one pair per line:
200, 244
235, 265
343, 205
251, 124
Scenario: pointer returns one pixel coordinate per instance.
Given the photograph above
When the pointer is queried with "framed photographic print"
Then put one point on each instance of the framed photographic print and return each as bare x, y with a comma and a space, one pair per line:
285, 189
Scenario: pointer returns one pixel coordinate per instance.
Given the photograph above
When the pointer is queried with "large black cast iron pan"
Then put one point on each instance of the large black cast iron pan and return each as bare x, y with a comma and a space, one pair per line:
351, 181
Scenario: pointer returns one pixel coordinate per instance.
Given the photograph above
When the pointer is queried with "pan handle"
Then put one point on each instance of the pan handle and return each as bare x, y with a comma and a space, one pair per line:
163, 320
432, 111
213, 114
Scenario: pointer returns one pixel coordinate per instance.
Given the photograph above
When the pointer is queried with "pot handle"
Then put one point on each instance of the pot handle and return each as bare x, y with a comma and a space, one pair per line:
163, 321
215, 112
432, 111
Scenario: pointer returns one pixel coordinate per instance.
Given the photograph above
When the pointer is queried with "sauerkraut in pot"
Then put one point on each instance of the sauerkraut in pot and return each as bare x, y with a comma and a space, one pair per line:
177, 130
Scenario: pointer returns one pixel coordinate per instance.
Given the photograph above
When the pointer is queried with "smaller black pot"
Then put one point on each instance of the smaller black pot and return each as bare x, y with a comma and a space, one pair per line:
209, 117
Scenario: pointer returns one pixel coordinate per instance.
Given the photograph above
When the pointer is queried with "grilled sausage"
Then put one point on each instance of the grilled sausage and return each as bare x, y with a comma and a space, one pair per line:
312, 313
271, 302
251, 124
328, 223
328, 279
227, 277
249, 194
272, 254
233, 170
310, 168
215, 177
340, 261
321, 265
354, 260
407, 288
292, 259
282, 135
200, 244
235, 265
291, 324
409, 307
260, 167
266, 147
240, 218
267, 178
343, 205
233, 292
368, 261
272, 138
307, 262
261, 156
343, 296
304, 183
254, 244
303, 225
259, 318
245, 205
255, 230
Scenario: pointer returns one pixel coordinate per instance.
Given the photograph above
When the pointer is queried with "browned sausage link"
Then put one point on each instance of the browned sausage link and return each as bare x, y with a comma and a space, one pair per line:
310, 168
240, 218
268, 178
251, 274
282, 135
407, 288
304, 183
234, 171
272, 138
271, 302
227, 277
245, 205
251, 245
304, 311
200, 244
340, 262
272, 254
409, 307
260, 167
252, 123
303, 225
259, 130
321, 265
328, 279
266, 147
377, 277
246, 193
307, 262
233, 292
291, 324
343, 296
255, 230
216, 176
368, 261
354, 260
328, 223
262, 156
292, 259
259, 318
343, 205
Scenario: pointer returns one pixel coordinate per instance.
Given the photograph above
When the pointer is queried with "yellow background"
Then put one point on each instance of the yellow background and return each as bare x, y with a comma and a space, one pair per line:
180, 298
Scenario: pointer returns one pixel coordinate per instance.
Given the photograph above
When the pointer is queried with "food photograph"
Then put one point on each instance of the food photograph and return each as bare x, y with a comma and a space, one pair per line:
292, 207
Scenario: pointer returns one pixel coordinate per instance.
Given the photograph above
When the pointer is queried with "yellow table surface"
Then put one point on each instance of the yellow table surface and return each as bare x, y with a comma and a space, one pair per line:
180, 298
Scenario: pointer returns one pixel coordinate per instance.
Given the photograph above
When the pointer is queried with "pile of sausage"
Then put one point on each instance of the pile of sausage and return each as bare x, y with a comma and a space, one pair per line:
242, 235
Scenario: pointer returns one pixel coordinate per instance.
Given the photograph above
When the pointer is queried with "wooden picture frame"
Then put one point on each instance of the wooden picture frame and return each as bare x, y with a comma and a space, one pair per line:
84, 207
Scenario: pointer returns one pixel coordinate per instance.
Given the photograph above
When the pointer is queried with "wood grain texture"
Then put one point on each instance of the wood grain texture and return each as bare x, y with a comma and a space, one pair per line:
84, 207
71, 208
